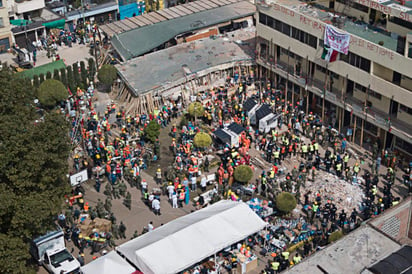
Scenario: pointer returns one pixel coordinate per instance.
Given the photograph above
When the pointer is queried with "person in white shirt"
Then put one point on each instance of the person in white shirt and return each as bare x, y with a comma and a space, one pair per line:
203, 183
156, 206
144, 186
150, 226
170, 190
193, 183
174, 199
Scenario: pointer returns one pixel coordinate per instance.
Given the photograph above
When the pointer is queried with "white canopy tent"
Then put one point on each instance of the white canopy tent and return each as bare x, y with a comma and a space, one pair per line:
188, 240
108, 264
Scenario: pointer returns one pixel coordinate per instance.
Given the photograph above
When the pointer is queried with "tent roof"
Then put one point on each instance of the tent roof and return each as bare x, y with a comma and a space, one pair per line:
187, 240
263, 111
222, 135
109, 264
236, 128
249, 104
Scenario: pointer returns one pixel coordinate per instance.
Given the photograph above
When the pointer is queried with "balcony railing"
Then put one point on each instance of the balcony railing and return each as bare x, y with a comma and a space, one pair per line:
346, 101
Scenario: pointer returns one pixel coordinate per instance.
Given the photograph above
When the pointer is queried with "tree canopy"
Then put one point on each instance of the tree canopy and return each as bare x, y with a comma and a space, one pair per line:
107, 74
286, 202
51, 92
243, 173
202, 140
196, 109
33, 168
152, 131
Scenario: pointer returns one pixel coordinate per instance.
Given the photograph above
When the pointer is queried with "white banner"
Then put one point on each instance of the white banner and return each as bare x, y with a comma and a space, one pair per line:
336, 40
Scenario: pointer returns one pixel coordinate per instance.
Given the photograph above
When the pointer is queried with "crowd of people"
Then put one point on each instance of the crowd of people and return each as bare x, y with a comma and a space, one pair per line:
113, 149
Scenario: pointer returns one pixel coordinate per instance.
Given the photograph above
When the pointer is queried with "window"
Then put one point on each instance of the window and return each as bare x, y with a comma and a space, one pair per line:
356, 61
288, 30
359, 7
321, 69
262, 18
400, 22
370, 92
1, 22
406, 109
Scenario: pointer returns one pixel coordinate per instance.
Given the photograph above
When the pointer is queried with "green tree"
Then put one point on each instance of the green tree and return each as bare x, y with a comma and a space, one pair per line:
106, 75
243, 173
83, 73
76, 75
91, 68
70, 79
33, 168
152, 131
196, 109
56, 75
51, 92
334, 236
286, 202
41, 78
63, 76
36, 81
202, 140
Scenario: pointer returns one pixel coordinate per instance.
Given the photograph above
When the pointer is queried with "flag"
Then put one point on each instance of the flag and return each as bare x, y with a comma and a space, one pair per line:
329, 54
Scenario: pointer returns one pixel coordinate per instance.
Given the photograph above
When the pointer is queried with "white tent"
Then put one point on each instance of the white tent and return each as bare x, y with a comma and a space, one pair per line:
187, 240
108, 264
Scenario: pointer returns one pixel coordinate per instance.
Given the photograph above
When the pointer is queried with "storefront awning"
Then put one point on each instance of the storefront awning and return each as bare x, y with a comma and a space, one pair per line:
20, 22
59, 24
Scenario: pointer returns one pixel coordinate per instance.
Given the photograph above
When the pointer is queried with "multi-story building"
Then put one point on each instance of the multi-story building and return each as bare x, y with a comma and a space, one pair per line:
366, 93
5, 35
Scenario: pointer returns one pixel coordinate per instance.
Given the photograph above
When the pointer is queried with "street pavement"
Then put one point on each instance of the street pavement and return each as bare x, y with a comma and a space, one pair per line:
70, 55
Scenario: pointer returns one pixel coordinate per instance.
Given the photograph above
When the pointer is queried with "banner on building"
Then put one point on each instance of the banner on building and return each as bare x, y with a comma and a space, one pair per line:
336, 40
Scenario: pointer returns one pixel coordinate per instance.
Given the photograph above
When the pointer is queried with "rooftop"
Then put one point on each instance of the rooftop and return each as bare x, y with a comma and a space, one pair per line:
361, 29
138, 41
351, 254
159, 70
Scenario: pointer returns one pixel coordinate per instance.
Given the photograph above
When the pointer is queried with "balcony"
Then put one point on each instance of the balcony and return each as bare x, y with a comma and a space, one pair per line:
27, 6
349, 103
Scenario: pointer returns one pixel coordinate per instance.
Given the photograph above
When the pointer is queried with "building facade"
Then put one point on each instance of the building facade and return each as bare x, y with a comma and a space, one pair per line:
5, 35
366, 93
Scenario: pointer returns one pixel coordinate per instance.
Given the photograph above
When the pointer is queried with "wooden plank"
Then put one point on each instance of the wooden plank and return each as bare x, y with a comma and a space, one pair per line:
115, 28
184, 9
159, 16
150, 18
191, 7
136, 21
130, 23
170, 14
212, 4
200, 7
217, 2
141, 22
123, 26
177, 11
204, 4
165, 14
144, 19
133, 22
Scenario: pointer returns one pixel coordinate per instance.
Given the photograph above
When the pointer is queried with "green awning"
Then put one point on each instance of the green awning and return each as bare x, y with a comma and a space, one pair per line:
59, 24
20, 22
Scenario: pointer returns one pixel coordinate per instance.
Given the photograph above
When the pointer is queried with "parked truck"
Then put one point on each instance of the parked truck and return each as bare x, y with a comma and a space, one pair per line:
50, 251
